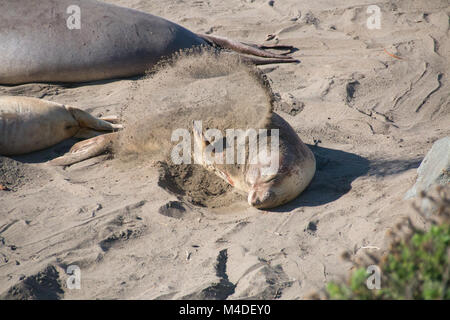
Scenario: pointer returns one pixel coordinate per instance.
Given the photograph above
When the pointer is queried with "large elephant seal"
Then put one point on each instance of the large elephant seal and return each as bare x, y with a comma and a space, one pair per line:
31, 124
41, 42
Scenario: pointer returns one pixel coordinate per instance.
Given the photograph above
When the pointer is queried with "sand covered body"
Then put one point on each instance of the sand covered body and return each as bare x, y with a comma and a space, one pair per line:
140, 230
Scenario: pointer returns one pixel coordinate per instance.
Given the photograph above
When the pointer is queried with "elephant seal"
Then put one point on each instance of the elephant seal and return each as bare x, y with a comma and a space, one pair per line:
31, 124
46, 123
266, 189
44, 41
270, 176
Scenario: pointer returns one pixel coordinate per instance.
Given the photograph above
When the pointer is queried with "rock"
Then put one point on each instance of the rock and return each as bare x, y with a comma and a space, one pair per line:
434, 169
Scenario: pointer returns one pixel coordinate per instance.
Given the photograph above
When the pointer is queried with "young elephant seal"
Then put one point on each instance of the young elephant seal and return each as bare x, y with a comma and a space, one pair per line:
271, 176
31, 124
266, 188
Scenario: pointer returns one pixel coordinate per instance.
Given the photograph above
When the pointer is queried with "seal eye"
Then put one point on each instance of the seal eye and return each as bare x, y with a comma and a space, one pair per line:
268, 178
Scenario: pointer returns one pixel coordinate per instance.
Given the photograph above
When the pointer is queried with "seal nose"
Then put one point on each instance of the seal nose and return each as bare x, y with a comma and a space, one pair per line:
258, 200
253, 199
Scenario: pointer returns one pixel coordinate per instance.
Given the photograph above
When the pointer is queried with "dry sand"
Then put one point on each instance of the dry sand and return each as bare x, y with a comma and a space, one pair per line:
135, 233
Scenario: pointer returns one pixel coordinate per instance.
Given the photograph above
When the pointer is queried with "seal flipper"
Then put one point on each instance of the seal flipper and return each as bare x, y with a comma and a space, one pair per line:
85, 120
111, 118
252, 50
86, 133
262, 61
86, 149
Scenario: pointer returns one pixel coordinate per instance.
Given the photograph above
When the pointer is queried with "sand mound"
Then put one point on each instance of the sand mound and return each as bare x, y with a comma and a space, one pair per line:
196, 185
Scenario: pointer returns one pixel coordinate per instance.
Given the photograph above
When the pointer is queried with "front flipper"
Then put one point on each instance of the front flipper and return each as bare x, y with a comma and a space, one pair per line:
86, 149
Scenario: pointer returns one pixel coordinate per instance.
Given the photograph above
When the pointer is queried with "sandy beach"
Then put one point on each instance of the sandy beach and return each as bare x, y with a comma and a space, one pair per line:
369, 103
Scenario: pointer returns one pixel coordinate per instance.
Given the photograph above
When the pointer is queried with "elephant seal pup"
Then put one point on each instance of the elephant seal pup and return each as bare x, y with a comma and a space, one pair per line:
266, 188
277, 165
31, 124
88, 40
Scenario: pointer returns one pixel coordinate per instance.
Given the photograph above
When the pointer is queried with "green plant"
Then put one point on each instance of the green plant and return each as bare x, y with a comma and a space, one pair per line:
416, 265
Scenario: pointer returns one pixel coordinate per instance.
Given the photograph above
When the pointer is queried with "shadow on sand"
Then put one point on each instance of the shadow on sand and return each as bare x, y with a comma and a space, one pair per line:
335, 172
47, 154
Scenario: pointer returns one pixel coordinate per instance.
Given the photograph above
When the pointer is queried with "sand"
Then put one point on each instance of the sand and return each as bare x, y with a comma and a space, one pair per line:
369, 103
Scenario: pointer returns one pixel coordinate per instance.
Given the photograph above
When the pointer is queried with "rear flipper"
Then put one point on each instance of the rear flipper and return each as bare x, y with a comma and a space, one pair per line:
262, 61
85, 120
87, 133
86, 149
111, 118
252, 50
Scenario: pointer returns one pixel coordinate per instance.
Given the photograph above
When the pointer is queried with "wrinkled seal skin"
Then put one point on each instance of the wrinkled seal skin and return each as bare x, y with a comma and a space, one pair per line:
36, 44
